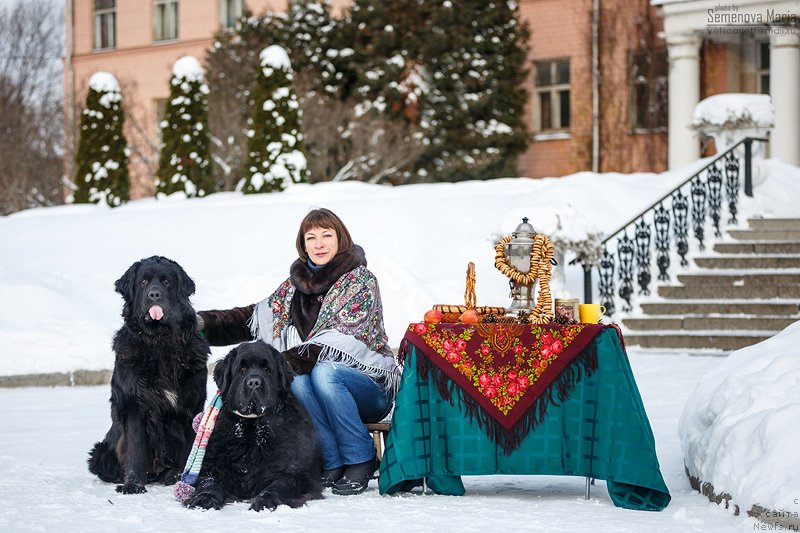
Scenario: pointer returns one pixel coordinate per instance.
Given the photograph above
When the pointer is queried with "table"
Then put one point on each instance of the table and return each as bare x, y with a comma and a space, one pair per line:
600, 430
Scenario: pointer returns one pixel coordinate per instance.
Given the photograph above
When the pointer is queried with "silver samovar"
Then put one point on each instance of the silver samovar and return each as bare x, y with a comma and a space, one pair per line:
518, 252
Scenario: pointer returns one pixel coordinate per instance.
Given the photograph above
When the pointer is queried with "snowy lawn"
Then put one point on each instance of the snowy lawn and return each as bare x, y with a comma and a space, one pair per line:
60, 311
47, 487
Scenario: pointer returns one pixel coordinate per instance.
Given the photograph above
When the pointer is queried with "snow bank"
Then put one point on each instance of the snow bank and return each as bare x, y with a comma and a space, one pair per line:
741, 420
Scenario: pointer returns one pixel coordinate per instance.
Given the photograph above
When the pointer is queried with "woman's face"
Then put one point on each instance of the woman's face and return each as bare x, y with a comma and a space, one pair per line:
321, 245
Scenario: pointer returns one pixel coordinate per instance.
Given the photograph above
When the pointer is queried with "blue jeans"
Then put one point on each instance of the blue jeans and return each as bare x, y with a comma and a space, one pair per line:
340, 401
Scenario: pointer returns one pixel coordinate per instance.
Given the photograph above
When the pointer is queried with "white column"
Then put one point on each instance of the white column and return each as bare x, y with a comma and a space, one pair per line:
784, 87
683, 50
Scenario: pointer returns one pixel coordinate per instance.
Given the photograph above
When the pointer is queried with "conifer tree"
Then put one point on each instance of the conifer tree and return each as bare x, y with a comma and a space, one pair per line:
455, 68
185, 160
477, 52
311, 37
102, 157
275, 139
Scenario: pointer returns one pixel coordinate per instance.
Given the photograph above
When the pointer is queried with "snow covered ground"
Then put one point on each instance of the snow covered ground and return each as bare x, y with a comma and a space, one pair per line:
45, 486
59, 313
59, 264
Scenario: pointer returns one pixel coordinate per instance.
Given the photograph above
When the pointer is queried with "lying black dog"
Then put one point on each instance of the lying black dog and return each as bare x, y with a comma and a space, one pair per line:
263, 446
159, 379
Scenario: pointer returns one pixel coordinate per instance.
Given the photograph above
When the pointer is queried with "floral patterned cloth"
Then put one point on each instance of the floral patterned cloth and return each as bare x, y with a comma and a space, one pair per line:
505, 374
349, 326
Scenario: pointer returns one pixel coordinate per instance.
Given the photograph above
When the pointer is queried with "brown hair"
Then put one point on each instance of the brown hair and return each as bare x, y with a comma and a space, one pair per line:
326, 219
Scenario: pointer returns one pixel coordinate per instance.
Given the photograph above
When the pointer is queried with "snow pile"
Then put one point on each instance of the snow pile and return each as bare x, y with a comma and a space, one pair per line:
188, 68
741, 420
104, 82
729, 109
275, 56
730, 117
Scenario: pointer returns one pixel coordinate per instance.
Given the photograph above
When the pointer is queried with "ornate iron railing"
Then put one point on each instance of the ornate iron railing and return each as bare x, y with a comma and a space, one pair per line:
661, 233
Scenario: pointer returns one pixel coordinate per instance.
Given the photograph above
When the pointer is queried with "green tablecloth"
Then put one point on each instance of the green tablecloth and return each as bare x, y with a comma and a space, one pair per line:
600, 431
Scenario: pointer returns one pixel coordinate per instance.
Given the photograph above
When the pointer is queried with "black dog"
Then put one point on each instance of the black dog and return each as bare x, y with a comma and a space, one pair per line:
159, 379
263, 446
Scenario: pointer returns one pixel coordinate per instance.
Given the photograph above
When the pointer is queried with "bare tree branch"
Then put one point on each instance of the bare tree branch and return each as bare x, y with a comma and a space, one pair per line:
31, 115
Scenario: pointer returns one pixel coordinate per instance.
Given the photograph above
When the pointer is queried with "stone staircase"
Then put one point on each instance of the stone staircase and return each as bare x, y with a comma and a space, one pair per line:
746, 291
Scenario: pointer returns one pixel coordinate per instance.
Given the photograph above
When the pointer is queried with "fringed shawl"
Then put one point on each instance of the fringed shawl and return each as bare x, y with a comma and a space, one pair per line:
349, 328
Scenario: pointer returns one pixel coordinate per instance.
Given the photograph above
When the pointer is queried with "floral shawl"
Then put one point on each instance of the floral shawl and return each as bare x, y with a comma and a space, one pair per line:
349, 328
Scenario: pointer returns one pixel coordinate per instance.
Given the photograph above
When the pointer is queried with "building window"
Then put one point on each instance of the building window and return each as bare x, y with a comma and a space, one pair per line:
552, 96
159, 112
763, 68
165, 20
649, 70
105, 24
229, 12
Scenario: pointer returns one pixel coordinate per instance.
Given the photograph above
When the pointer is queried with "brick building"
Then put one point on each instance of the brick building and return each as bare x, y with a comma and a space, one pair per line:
610, 84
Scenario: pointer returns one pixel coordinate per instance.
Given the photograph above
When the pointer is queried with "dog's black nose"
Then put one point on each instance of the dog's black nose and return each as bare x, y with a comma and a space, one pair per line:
154, 293
253, 382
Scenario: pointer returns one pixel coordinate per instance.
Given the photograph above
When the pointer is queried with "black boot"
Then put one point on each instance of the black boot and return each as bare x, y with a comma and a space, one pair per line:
355, 479
329, 477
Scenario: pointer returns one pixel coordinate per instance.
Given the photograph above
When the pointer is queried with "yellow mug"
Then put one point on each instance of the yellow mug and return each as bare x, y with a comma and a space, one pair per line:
591, 313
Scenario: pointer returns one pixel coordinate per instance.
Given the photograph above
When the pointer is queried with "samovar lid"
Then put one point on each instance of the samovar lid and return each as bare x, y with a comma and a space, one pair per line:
524, 231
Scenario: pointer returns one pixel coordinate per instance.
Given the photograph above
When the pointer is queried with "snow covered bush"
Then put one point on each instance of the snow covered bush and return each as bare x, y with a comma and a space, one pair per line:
739, 429
185, 161
730, 117
275, 140
102, 156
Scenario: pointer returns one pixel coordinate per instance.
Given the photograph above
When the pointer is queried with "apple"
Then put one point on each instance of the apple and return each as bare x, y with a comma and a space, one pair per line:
470, 316
434, 316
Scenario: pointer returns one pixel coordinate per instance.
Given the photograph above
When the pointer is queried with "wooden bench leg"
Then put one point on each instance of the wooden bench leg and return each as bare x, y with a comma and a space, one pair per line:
379, 432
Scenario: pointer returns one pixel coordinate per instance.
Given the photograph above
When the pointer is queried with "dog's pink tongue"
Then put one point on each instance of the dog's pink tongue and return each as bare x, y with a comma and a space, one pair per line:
156, 313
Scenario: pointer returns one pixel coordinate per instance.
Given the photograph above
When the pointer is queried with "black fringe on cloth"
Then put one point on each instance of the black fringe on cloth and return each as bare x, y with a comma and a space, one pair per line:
584, 365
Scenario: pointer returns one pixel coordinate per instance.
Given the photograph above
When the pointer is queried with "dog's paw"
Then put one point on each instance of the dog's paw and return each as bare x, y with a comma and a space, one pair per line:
131, 487
265, 500
204, 500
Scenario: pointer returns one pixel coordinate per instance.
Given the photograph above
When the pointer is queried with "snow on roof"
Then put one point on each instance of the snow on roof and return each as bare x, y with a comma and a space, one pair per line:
103, 82
188, 67
276, 57
730, 109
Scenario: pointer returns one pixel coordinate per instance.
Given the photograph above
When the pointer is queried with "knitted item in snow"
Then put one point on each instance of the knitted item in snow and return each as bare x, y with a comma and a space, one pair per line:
184, 489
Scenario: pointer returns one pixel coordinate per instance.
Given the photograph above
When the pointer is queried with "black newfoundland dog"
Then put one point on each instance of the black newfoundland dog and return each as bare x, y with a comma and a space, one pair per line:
159, 379
263, 447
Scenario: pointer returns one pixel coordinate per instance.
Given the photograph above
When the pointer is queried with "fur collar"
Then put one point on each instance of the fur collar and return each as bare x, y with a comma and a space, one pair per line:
307, 281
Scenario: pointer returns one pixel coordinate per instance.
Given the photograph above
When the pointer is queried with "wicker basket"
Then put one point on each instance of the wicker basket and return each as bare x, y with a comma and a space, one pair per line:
452, 313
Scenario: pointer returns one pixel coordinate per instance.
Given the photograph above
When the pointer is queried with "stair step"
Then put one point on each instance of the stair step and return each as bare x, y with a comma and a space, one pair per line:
774, 223
729, 292
749, 262
743, 279
705, 340
765, 234
651, 323
722, 308
757, 247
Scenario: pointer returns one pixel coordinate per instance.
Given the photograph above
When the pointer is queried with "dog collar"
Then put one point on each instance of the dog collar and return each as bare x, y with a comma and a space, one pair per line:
251, 415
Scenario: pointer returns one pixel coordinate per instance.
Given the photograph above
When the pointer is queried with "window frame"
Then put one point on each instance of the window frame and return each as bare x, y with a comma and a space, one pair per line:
161, 32
226, 21
104, 16
554, 91
654, 81
763, 71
